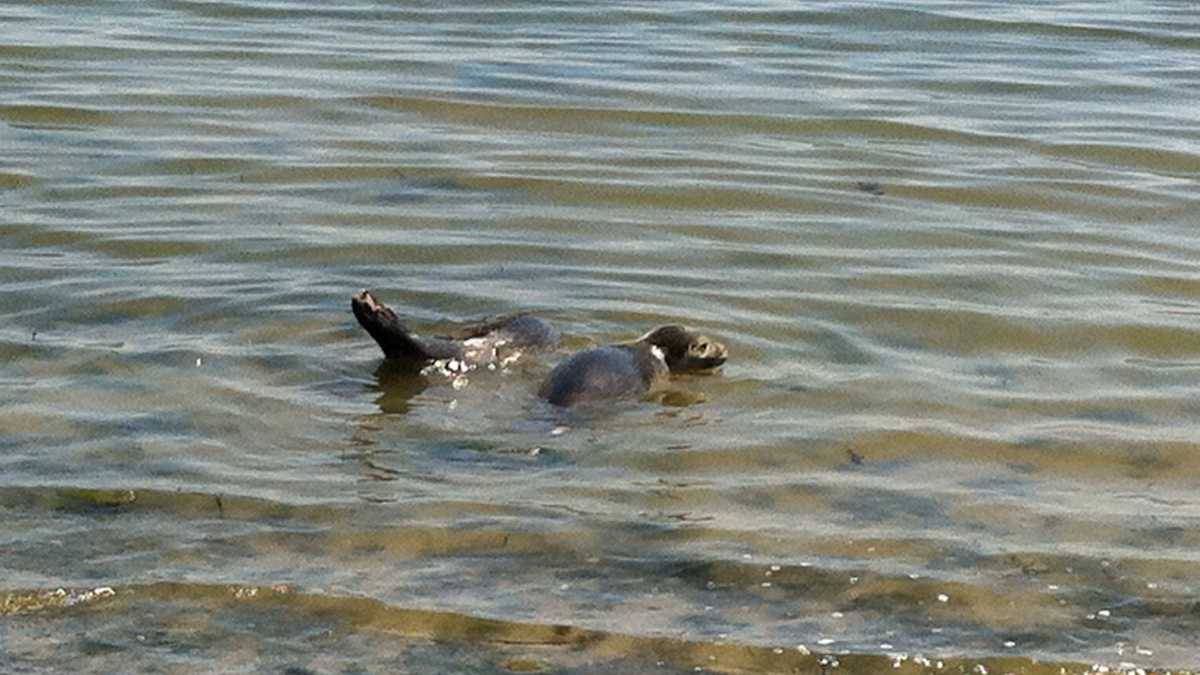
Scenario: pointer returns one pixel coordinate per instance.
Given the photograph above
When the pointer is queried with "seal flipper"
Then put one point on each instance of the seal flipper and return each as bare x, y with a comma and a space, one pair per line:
394, 338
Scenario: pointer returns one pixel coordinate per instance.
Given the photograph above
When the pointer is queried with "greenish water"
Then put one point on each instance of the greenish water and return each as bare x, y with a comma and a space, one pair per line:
952, 248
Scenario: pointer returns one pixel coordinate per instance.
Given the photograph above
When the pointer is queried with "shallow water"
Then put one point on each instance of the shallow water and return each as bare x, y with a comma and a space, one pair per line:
951, 247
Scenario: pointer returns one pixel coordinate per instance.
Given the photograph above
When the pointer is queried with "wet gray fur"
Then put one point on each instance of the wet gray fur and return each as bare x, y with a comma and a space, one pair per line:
632, 368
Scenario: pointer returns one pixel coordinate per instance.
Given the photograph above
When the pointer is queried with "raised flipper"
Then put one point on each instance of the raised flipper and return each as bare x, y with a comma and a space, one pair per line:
500, 339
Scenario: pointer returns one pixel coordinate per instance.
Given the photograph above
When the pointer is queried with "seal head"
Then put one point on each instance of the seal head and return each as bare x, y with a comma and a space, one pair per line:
685, 350
631, 368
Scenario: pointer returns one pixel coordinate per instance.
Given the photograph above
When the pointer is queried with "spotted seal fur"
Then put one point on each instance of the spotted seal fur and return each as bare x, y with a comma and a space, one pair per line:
631, 368
499, 340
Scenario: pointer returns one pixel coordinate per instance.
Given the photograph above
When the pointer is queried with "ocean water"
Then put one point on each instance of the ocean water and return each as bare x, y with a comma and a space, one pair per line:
952, 248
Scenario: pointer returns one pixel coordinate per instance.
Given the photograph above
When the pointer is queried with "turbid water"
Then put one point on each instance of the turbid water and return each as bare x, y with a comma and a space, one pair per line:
952, 248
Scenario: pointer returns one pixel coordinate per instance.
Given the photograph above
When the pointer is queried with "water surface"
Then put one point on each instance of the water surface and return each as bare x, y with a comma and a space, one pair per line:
951, 246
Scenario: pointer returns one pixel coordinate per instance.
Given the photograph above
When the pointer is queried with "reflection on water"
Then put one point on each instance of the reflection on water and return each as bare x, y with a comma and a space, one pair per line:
951, 249
397, 386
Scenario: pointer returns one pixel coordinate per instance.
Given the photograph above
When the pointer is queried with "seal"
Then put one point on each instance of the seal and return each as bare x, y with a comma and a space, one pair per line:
631, 368
498, 340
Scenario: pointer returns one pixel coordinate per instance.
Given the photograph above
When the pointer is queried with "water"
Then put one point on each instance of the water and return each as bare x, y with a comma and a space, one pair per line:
951, 247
